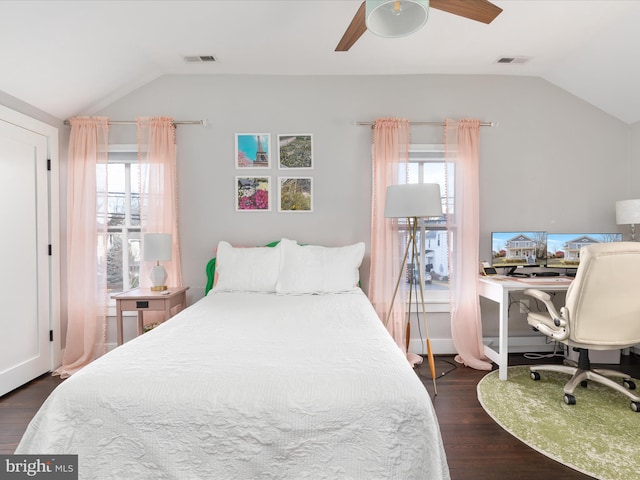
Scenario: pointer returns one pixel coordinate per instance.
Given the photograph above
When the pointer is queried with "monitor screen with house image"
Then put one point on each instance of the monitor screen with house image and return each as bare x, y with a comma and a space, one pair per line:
518, 249
563, 249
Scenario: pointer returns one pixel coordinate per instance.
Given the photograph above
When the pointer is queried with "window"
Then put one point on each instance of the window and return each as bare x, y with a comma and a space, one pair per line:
427, 165
123, 218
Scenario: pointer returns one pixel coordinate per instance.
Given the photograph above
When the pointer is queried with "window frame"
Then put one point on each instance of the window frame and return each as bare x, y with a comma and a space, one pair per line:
130, 151
435, 300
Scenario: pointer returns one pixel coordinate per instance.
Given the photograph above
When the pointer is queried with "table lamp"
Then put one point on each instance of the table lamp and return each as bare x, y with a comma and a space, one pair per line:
413, 201
628, 213
157, 248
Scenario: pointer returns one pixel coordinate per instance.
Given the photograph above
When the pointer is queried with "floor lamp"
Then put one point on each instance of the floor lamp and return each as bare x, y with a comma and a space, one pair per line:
413, 201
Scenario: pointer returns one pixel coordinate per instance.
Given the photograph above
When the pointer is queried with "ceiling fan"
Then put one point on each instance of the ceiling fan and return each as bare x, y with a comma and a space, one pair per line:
478, 10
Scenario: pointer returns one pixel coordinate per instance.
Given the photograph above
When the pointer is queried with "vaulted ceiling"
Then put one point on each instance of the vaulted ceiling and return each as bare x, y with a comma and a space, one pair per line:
74, 57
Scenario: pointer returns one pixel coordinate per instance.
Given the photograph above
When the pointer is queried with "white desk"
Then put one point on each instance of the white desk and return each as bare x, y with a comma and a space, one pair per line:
498, 288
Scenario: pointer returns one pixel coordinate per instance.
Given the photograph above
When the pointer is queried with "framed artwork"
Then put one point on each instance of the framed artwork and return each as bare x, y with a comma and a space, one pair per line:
253, 150
295, 151
253, 194
295, 194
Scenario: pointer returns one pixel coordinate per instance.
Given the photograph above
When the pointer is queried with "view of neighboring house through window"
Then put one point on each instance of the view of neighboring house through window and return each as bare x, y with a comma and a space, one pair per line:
123, 220
427, 165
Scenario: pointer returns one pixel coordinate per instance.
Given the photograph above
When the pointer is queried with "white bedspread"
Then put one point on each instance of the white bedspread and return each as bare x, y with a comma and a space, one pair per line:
249, 386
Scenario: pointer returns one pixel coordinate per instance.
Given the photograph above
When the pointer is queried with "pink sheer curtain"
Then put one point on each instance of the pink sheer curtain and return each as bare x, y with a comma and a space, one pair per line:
462, 147
159, 190
86, 229
390, 151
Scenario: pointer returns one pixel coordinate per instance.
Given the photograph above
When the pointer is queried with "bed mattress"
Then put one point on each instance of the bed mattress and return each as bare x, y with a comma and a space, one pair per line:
249, 386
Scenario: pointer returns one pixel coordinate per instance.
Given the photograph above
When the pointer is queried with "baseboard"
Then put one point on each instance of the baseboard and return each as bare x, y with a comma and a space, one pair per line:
445, 346
439, 346
524, 344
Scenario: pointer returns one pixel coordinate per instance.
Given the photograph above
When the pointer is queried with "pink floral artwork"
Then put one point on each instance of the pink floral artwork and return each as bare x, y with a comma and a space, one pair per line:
253, 194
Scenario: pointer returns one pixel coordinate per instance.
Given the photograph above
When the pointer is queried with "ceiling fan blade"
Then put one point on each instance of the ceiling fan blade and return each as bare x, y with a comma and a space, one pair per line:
478, 10
354, 31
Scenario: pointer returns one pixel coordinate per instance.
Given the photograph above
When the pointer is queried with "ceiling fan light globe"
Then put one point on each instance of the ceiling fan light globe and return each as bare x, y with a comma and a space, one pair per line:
396, 18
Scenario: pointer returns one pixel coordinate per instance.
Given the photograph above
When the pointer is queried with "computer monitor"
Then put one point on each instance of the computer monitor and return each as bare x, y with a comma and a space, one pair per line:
518, 249
563, 249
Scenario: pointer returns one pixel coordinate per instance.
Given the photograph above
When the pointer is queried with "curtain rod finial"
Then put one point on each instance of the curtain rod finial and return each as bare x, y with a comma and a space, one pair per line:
205, 123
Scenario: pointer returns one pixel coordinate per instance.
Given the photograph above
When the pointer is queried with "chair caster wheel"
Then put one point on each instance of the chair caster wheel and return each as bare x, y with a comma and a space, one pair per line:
635, 406
534, 376
629, 384
584, 384
570, 399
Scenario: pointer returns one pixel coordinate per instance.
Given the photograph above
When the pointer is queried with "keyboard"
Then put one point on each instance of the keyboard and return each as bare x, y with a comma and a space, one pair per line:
546, 274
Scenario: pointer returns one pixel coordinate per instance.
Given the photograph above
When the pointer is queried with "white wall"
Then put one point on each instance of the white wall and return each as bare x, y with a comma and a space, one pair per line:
552, 163
634, 163
26, 109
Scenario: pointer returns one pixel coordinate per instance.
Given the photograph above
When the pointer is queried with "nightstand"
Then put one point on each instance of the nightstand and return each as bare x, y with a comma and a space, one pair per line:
145, 300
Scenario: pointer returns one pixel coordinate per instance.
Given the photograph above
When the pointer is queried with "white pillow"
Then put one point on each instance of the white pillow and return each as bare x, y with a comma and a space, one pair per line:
253, 269
314, 269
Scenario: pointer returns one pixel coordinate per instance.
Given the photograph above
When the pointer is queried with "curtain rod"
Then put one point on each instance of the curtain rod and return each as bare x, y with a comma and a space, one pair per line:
133, 122
439, 124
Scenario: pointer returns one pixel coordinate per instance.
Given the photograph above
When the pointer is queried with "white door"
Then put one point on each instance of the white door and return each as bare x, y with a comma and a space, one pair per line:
25, 349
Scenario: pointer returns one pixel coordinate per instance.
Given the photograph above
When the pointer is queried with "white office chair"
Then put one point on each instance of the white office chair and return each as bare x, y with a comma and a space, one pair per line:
601, 312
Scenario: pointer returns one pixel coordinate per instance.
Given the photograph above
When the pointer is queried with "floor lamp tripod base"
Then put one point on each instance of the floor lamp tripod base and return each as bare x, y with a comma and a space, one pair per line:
411, 244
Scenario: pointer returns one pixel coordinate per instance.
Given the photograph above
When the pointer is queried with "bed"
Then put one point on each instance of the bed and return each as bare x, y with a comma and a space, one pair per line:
296, 379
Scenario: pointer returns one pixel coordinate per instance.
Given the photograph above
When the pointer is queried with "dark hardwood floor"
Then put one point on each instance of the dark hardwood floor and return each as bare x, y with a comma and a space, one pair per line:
477, 448
18, 407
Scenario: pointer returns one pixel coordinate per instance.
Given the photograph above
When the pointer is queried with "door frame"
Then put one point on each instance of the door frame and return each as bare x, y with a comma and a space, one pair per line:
51, 133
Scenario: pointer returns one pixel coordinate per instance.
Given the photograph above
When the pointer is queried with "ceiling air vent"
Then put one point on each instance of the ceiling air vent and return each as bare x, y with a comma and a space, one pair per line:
513, 59
199, 58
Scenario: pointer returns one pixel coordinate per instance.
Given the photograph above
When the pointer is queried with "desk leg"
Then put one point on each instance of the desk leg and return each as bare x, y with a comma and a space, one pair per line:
119, 322
503, 338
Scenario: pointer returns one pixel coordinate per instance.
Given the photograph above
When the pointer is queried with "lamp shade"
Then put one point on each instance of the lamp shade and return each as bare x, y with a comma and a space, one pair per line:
628, 212
413, 200
157, 247
395, 18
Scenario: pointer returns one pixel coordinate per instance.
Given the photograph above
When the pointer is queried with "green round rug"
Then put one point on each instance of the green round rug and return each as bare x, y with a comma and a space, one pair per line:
598, 436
